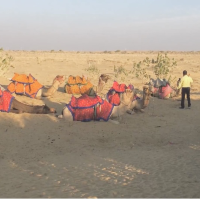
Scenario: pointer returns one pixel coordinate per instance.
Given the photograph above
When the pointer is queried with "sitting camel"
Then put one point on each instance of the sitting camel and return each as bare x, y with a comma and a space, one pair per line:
162, 89
114, 97
140, 104
8, 103
58, 80
87, 108
29, 86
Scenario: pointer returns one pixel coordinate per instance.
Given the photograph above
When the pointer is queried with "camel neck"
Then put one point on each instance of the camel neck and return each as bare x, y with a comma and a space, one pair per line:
56, 84
145, 100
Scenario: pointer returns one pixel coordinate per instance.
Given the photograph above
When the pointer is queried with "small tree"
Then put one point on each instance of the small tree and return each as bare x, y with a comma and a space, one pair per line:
163, 66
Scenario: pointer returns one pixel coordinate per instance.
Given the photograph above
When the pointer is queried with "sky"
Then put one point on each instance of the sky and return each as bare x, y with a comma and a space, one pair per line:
100, 25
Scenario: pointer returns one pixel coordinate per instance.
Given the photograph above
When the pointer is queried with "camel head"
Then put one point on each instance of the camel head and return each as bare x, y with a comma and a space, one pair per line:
103, 79
47, 110
59, 78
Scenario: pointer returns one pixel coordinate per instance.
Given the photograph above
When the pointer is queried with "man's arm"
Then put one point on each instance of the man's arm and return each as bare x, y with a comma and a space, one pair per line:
180, 84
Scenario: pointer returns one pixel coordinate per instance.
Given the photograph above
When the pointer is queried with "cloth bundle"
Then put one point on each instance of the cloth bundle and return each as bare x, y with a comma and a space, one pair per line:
77, 85
24, 85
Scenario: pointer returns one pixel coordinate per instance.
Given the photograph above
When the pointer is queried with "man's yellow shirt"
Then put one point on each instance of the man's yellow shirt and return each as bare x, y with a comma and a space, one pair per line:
185, 82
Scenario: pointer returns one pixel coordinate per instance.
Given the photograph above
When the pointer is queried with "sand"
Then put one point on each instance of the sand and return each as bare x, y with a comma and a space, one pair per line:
151, 154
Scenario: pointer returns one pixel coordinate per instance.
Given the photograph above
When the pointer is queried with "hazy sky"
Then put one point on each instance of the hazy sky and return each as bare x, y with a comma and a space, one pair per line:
87, 25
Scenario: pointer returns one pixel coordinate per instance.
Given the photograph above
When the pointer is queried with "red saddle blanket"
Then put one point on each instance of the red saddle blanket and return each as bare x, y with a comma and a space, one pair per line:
86, 108
164, 91
5, 101
113, 98
118, 88
24, 85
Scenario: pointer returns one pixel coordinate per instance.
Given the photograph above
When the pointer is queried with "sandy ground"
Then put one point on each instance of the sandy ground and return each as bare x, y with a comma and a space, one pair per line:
151, 154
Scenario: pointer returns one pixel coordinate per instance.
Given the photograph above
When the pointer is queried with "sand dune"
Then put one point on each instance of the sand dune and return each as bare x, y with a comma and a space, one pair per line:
151, 154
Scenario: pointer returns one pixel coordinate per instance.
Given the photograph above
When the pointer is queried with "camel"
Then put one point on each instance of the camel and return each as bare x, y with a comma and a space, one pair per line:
58, 80
8, 103
29, 86
140, 104
162, 89
116, 111
156, 92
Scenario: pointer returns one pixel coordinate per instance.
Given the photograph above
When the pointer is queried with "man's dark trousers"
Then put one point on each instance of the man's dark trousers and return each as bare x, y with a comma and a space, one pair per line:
185, 90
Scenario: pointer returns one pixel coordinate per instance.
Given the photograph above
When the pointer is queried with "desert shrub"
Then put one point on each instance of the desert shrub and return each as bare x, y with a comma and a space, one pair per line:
139, 71
120, 70
92, 69
5, 62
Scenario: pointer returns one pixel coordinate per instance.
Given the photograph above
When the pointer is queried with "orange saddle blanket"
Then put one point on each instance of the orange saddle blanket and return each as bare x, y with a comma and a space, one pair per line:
77, 85
24, 85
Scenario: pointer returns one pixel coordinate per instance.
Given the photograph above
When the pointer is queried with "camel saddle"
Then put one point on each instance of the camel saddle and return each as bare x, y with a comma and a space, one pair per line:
78, 85
5, 101
86, 108
113, 95
24, 85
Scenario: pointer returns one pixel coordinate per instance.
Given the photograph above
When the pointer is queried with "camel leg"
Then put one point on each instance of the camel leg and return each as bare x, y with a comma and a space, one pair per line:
113, 121
66, 114
142, 110
15, 111
131, 112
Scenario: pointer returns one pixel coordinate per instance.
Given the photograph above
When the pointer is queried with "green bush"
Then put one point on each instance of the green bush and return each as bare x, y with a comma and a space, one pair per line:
162, 66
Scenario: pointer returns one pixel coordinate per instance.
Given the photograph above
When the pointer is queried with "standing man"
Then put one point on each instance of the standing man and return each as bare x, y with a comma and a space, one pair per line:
185, 84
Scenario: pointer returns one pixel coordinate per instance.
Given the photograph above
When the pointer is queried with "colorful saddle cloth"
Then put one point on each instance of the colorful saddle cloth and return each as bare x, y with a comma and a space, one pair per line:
164, 91
87, 108
24, 85
113, 95
5, 101
77, 85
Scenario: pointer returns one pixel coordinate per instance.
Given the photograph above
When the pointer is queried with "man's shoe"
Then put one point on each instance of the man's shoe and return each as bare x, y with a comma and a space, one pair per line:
181, 107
